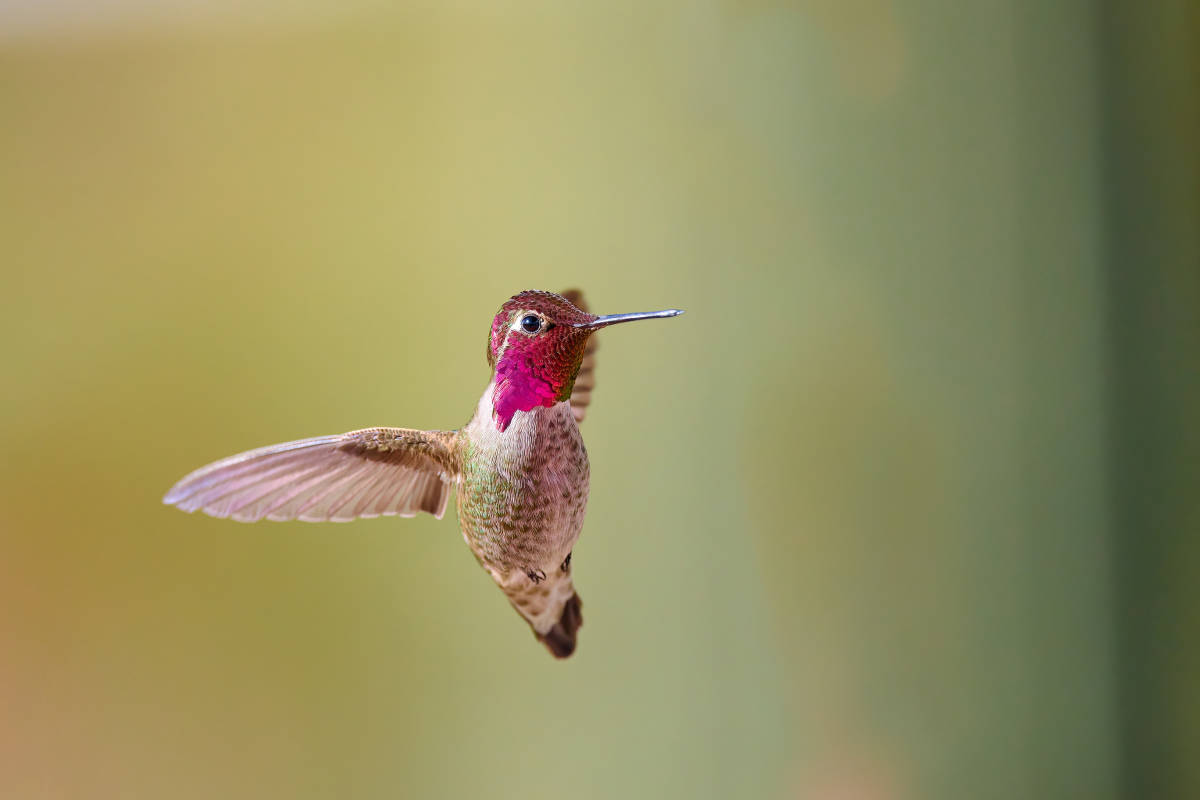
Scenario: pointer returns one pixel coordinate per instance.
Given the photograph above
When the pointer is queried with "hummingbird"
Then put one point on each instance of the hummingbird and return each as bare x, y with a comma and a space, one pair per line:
519, 465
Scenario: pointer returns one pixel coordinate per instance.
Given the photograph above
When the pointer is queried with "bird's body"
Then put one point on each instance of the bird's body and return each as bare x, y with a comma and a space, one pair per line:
519, 465
521, 502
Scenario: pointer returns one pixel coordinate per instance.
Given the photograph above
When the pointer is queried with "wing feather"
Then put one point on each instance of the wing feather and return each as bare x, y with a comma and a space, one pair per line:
367, 473
585, 381
317, 506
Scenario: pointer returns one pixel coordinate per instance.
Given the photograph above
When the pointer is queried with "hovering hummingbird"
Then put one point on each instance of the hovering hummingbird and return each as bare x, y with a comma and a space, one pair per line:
520, 465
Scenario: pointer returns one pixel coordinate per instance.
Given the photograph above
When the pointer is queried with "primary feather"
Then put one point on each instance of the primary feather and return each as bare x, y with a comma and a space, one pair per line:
367, 473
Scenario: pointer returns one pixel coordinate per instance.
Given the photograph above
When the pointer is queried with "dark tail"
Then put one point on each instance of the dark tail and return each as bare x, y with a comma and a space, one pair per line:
561, 638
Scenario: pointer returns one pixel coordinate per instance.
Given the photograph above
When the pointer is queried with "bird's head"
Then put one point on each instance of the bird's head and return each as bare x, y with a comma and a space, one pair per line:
536, 346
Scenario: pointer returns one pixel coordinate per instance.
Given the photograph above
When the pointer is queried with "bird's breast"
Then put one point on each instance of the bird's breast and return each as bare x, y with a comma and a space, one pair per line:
523, 491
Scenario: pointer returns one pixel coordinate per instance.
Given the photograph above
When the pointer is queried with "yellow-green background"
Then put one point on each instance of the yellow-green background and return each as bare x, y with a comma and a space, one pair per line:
904, 506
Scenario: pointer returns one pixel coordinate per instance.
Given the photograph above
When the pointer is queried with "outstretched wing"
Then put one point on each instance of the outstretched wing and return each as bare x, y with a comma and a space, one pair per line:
585, 381
367, 473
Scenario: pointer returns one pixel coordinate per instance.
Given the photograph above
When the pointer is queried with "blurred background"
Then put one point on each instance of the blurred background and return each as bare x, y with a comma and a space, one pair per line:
904, 507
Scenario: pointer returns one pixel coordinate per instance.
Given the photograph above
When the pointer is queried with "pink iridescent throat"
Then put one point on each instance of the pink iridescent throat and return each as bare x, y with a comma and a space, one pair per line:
526, 379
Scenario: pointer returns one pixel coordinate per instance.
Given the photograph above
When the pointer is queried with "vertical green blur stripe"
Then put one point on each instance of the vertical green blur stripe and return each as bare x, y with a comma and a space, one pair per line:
1152, 97
1063, 412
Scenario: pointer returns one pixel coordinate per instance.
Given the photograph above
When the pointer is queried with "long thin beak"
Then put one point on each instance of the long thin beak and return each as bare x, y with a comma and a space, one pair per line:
613, 319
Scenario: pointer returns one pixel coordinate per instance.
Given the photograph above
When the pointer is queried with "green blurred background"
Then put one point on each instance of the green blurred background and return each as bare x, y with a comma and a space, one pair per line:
904, 507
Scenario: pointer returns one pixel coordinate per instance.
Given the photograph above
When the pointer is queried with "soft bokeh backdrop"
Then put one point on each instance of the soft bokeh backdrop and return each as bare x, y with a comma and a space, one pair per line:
904, 507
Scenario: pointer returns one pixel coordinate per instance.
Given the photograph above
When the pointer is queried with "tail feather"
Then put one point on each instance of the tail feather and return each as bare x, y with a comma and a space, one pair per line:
560, 640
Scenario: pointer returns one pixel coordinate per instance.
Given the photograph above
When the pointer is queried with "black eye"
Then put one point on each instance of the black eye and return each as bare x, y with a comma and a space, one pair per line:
531, 324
